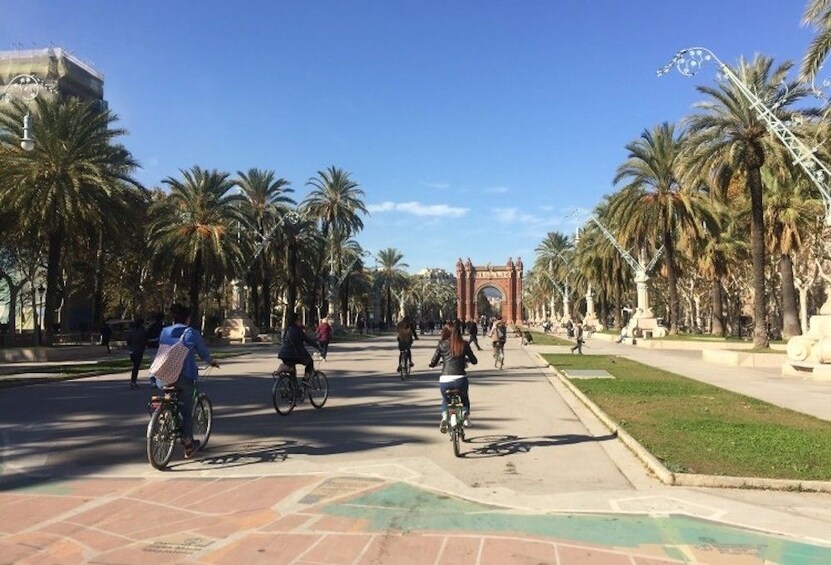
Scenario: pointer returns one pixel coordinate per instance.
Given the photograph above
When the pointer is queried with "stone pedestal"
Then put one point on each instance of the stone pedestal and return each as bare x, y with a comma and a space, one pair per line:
238, 327
809, 355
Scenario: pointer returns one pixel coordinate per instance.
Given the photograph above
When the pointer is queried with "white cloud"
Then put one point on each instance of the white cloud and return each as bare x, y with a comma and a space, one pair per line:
496, 190
437, 185
419, 209
505, 215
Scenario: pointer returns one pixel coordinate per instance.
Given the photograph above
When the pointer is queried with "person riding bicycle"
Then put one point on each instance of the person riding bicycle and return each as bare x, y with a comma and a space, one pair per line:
191, 337
406, 337
293, 350
498, 334
454, 353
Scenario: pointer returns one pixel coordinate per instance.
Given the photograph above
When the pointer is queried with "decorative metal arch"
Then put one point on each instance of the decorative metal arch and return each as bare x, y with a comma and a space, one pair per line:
507, 279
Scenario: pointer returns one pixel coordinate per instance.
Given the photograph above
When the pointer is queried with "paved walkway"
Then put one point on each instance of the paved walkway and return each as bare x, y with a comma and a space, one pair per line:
368, 478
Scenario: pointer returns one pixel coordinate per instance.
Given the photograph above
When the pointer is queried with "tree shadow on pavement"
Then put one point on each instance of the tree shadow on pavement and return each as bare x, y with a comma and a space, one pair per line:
500, 446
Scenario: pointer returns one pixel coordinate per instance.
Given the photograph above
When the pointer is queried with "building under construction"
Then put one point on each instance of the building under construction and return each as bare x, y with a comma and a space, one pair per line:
56, 69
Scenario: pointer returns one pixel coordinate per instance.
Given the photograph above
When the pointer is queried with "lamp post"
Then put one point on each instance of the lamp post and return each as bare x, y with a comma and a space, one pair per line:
41, 291
27, 88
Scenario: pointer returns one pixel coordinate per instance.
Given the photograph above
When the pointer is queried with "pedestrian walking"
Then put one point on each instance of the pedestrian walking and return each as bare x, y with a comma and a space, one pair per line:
578, 334
323, 334
473, 330
106, 334
136, 341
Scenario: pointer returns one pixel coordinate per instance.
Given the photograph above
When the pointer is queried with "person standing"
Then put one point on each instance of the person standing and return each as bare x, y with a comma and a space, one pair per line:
136, 340
192, 339
578, 334
323, 334
454, 353
473, 331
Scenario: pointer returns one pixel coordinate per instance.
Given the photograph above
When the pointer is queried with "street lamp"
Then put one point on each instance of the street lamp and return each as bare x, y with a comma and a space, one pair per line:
41, 291
26, 87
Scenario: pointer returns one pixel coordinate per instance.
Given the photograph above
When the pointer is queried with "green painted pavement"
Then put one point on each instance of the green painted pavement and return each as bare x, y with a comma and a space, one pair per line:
405, 508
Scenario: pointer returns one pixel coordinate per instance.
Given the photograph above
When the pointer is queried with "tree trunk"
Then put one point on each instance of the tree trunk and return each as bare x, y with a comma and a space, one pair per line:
672, 281
717, 316
193, 294
790, 315
266, 294
98, 283
53, 271
757, 248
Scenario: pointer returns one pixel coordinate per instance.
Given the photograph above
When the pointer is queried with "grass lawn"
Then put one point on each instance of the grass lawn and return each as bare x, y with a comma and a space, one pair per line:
694, 427
548, 339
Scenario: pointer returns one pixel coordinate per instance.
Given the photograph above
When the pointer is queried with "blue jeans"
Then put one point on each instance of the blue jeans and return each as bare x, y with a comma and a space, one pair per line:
186, 405
460, 383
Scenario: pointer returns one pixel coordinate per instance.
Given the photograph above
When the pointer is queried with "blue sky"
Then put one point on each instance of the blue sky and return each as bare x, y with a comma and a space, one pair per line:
473, 127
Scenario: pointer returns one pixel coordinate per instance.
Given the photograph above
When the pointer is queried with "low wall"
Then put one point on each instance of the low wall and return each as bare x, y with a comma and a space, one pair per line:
741, 359
63, 353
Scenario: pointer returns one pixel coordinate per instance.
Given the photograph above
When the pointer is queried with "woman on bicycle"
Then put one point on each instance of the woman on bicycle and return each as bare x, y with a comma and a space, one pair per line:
193, 340
454, 353
293, 350
406, 337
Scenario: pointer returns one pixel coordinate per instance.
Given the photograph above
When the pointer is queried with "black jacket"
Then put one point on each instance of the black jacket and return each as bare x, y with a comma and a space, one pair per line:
294, 348
452, 365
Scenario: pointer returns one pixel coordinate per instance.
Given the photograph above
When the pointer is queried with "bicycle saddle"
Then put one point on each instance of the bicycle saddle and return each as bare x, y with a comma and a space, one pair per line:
452, 391
171, 388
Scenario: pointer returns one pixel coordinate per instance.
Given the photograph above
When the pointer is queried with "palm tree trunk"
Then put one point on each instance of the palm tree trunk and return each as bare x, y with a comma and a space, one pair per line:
717, 317
53, 271
672, 282
291, 287
389, 305
266, 294
757, 248
193, 295
98, 283
790, 316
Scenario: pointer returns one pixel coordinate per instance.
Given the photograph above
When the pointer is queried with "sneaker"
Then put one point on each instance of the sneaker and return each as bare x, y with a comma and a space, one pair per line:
134, 386
466, 421
192, 448
412, 365
443, 426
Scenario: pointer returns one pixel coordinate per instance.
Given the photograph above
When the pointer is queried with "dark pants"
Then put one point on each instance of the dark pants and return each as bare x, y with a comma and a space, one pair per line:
475, 341
409, 354
578, 346
324, 348
136, 357
186, 404
462, 384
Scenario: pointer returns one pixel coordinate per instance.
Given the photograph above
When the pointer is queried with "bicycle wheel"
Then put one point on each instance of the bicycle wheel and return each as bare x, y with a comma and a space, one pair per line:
457, 442
161, 436
283, 394
318, 389
203, 419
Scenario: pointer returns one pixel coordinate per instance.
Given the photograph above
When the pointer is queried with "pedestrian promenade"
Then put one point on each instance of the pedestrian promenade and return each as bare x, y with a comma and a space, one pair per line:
368, 478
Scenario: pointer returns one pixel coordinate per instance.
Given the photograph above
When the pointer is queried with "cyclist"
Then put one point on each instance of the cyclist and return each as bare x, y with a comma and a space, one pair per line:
406, 337
454, 353
498, 334
293, 350
191, 337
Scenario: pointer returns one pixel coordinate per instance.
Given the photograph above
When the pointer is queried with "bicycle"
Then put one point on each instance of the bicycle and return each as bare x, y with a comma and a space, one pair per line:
455, 415
498, 354
288, 390
165, 425
403, 364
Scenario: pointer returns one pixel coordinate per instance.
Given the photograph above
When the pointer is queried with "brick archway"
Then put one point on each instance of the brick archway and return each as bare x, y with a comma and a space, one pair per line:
470, 280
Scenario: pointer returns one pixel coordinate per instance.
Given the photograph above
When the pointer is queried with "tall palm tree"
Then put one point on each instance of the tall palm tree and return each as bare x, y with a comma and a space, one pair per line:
74, 177
728, 139
267, 202
336, 203
652, 204
193, 227
391, 271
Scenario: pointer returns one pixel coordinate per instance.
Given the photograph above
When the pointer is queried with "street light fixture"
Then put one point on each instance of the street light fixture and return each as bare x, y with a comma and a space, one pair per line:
26, 87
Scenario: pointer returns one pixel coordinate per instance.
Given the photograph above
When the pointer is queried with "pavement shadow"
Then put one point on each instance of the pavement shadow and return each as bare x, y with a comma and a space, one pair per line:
502, 445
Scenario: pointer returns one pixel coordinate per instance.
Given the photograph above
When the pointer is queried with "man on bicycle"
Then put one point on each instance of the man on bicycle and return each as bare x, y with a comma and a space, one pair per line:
406, 337
498, 335
191, 337
293, 350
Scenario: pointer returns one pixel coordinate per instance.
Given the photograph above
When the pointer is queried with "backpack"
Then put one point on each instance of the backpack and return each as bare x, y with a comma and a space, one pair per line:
501, 332
169, 360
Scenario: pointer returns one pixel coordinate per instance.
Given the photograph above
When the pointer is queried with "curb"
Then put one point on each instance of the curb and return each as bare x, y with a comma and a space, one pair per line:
683, 479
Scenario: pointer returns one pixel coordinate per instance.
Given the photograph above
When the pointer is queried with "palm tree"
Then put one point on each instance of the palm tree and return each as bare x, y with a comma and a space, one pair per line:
335, 202
652, 204
193, 227
74, 177
391, 271
728, 140
266, 205
817, 15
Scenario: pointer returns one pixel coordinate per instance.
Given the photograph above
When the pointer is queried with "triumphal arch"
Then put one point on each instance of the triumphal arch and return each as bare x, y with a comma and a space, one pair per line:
506, 279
